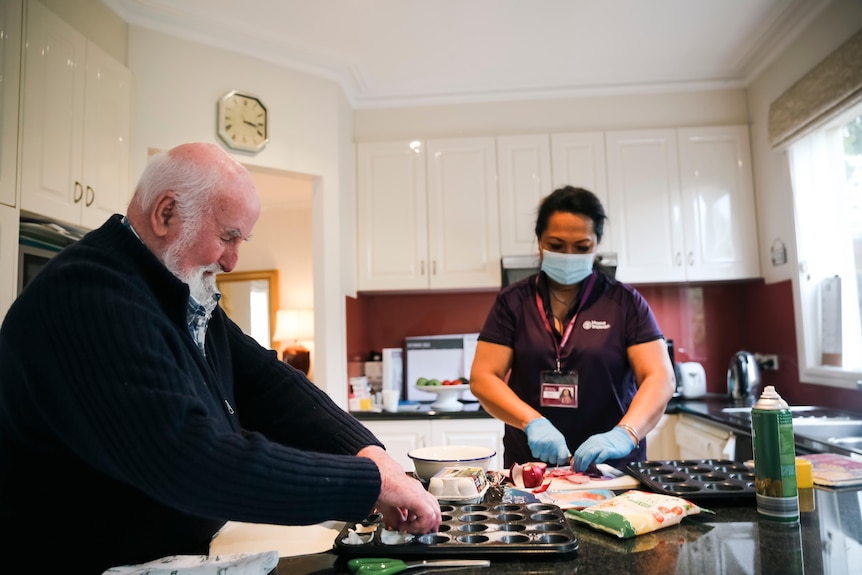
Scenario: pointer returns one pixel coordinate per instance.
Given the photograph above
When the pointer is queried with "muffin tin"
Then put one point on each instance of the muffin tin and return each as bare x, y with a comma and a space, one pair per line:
478, 530
712, 479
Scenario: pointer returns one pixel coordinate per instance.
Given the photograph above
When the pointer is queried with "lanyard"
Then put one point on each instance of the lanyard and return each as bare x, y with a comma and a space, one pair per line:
558, 347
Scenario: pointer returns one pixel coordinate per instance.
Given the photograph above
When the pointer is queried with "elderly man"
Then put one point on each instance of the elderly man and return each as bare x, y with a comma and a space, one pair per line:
136, 417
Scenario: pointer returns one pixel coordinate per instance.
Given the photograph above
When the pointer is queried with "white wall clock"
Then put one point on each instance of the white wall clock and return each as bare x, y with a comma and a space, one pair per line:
242, 121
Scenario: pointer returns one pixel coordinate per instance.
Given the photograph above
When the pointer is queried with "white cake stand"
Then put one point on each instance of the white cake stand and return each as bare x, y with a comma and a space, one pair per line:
447, 396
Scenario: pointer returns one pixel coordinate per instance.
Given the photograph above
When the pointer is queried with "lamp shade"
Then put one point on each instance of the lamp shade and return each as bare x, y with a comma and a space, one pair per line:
294, 325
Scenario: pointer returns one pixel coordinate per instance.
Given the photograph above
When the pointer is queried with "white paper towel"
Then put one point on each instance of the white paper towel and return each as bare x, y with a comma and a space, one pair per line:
288, 540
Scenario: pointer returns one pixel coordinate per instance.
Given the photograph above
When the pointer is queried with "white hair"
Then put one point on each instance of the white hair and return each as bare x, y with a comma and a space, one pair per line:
193, 183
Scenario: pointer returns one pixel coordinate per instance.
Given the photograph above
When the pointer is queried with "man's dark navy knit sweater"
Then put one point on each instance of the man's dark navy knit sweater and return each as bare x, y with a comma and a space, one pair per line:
121, 443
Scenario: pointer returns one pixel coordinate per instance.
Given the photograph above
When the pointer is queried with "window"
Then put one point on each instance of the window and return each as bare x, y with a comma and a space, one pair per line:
826, 170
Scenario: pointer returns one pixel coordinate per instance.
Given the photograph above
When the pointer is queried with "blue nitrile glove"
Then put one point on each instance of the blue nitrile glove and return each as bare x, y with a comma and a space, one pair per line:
546, 442
603, 446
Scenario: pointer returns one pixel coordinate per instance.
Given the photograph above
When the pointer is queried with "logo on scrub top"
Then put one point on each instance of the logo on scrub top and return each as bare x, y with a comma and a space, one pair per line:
593, 324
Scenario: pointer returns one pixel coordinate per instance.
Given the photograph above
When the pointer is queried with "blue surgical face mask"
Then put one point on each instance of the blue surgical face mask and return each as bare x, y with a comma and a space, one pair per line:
567, 269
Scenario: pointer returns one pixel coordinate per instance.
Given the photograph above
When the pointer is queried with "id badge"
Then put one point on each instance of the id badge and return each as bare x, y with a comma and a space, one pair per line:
559, 389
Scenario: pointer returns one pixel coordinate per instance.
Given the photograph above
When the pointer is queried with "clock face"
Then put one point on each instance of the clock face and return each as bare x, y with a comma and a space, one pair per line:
242, 122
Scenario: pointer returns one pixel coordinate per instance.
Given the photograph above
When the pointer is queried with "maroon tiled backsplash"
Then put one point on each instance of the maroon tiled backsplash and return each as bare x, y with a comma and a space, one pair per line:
708, 323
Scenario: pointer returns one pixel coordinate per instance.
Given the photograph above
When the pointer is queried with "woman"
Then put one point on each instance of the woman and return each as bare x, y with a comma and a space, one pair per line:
572, 326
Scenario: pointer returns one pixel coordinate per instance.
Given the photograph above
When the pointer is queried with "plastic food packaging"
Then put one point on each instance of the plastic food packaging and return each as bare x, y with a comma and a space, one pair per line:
459, 484
635, 513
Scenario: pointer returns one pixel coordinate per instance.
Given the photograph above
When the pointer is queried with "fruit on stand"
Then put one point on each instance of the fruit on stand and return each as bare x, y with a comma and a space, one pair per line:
428, 382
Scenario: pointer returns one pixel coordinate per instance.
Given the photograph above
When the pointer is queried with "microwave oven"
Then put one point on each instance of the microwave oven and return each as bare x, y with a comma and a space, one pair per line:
39, 240
31, 260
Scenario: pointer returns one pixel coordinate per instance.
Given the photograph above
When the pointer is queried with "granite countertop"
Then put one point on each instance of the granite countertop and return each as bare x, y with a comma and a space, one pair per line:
717, 408
472, 410
733, 541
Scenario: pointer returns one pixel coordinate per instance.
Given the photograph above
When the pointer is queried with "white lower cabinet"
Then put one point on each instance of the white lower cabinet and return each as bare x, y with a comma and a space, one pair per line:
400, 436
661, 441
697, 438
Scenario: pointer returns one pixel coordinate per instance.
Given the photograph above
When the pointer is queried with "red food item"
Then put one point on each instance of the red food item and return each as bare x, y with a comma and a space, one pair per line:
544, 487
528, 474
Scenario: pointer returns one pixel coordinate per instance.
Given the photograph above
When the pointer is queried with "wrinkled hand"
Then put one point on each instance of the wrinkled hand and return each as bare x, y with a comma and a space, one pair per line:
546, 442
609, 445
403, 501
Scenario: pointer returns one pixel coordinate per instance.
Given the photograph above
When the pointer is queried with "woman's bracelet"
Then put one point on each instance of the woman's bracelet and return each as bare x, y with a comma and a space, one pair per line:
631, 430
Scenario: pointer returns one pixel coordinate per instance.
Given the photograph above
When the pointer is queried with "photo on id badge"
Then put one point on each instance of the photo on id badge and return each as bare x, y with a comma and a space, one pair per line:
559, 389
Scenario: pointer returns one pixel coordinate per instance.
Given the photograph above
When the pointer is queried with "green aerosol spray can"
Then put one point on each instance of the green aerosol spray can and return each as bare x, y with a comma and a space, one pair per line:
774, 458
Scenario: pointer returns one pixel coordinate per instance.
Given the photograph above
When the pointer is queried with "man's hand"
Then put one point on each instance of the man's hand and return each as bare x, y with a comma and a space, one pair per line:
609, 445
546, 442
403, 501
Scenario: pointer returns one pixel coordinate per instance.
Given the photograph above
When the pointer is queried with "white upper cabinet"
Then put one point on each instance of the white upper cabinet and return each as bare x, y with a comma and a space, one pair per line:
682, 204
392, 226
531, 167
578, 159
8, 257
75, 149
463, 214
524, 165
427, 215
10, 73
644, 198
718, 207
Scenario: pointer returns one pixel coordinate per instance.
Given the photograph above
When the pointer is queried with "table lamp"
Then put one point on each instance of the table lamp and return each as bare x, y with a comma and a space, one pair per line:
293, 325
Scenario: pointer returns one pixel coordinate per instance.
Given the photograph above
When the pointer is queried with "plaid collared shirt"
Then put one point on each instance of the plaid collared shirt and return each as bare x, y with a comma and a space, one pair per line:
197, 315
198, 318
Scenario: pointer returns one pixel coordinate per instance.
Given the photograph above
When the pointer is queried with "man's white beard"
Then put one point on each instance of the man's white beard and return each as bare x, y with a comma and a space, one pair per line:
201, 285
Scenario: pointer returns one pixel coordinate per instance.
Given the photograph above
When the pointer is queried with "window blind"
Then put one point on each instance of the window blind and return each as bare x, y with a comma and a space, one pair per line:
830, 88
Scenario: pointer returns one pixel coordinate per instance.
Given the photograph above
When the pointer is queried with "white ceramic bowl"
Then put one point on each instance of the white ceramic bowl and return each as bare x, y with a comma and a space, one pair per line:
429, 460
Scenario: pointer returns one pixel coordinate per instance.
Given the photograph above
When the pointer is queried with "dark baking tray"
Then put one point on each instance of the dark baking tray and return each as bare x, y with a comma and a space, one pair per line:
477, 530
696, 479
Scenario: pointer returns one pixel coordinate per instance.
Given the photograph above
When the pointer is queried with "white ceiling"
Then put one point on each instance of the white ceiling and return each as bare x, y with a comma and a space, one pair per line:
388, 53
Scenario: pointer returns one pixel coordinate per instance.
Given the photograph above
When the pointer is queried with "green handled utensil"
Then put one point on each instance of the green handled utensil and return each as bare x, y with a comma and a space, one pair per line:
378, 566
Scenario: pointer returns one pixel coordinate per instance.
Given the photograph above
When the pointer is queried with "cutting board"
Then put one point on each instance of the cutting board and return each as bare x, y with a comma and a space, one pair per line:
620, 481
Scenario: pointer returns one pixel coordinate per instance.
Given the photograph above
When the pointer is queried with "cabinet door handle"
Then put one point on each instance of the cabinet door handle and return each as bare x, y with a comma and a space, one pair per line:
690, 259
678, 259
91, 196
421, 267
434, 267
79, 192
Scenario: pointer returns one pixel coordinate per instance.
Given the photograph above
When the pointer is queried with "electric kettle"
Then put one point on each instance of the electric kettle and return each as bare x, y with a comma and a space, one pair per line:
743, 377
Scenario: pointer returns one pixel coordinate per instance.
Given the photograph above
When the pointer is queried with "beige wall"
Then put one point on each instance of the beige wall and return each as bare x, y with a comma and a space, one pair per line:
176, 86
549, 116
